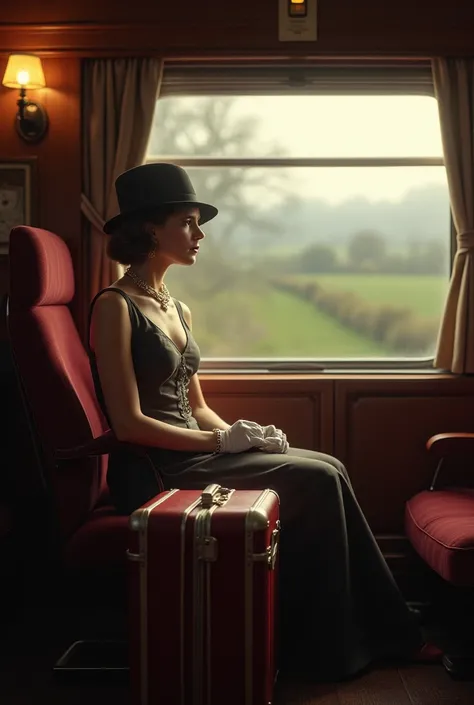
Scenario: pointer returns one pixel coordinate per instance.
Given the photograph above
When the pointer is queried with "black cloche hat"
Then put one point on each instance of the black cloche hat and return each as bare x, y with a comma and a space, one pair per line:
150, 186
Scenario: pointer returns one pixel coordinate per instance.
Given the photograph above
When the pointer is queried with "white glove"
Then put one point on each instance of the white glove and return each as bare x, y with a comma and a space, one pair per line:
274, 440
242, 435
271, 431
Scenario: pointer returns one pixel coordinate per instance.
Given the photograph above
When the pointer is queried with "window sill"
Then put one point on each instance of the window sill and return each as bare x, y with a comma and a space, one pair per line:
329, 374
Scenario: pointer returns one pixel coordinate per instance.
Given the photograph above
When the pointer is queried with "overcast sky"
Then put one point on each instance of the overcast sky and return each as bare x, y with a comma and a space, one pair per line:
348, 126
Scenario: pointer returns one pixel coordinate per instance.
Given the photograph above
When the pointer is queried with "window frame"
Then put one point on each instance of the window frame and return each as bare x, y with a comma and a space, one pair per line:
324, 78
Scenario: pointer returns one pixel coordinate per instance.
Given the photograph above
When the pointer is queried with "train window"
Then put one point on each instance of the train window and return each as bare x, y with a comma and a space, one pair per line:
332, 243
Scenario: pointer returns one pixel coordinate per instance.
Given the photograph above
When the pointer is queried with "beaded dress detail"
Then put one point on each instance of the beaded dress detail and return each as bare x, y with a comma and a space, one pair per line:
182, 384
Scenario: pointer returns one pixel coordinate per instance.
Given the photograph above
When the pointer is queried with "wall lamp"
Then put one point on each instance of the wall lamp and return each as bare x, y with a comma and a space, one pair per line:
25, 71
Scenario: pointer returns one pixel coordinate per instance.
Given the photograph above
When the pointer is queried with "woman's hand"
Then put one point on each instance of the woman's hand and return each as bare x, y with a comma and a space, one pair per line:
242, 435
274, 440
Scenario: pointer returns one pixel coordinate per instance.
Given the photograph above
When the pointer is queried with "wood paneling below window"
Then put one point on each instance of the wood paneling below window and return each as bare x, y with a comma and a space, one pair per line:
381, 429
303, 410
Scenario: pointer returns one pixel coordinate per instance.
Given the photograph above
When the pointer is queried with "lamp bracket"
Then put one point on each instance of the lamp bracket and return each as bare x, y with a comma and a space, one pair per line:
31, 120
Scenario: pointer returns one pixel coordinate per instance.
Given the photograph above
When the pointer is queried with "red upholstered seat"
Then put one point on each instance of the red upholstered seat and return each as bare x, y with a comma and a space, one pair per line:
102, 538
440, 522
53, 371
440, 526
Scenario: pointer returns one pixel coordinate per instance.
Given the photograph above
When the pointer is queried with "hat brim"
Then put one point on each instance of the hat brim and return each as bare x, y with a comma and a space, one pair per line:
207, 213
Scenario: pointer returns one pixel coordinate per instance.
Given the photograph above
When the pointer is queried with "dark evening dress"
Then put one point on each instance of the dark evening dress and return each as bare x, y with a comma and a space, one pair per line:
339, 605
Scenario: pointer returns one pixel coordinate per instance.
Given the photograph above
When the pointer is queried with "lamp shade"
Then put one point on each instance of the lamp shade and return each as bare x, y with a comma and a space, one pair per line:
24, 71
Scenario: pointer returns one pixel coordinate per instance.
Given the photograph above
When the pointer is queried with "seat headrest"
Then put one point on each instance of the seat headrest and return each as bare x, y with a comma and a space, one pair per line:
41, 271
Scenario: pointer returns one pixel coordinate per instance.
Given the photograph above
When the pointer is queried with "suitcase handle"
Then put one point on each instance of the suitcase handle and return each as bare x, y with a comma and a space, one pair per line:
214, 494
269, 556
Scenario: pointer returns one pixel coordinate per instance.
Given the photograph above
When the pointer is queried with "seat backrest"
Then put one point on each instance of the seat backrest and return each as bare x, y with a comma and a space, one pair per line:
53, 370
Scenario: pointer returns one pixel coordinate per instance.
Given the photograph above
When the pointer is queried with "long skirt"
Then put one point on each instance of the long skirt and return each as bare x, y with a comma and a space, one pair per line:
339, 605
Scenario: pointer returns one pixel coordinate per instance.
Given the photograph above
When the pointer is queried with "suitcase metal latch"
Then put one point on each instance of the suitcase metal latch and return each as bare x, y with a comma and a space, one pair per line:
207, 549
214, 494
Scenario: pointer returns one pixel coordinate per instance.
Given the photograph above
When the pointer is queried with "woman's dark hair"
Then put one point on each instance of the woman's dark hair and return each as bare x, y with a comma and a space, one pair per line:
131, 243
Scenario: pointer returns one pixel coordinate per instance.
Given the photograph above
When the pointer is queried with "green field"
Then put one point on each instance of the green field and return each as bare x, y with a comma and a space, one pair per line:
276, 324
423, 295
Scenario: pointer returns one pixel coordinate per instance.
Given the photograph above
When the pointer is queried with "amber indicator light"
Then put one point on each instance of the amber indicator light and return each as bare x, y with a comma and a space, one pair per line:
297, 8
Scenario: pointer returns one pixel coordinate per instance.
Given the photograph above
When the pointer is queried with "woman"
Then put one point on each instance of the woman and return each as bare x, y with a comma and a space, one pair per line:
340, 606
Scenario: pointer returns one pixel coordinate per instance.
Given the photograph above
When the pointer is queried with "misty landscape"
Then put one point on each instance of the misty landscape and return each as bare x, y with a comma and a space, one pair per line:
284, 273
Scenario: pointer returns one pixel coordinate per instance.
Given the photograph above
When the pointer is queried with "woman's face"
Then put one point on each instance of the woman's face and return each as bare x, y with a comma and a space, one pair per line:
179, 238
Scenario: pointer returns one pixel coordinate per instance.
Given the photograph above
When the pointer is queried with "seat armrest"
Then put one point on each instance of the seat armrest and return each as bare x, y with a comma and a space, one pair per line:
451, 444
102, 445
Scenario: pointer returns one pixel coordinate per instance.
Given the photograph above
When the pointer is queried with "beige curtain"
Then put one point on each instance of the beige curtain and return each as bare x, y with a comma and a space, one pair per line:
454, 87
119, 97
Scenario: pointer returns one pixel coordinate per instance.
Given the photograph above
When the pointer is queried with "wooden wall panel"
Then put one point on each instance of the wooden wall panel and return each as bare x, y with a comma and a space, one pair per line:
381, 429
58, 154
237, 27
303, 410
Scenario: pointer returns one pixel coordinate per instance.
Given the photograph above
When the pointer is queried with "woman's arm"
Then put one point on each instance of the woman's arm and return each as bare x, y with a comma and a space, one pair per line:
110, 340
207, 418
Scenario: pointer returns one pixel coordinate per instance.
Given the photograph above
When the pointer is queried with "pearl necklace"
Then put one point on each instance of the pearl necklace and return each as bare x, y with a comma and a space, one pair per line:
162, 296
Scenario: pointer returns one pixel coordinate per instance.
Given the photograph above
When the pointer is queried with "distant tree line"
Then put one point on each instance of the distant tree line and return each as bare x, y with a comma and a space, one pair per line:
397, 327
369, 252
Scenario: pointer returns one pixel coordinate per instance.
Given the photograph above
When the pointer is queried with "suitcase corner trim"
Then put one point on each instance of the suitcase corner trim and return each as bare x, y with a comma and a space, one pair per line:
256, 520
138, 522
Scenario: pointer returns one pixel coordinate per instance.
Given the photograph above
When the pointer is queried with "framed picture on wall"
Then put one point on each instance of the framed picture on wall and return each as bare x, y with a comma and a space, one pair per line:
18, 196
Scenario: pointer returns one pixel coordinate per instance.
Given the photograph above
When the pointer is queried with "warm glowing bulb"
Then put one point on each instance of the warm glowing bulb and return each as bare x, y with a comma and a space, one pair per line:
24, 71
23, 78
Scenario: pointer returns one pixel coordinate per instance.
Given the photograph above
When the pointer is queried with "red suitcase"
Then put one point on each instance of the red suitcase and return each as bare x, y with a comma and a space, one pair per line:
202, 579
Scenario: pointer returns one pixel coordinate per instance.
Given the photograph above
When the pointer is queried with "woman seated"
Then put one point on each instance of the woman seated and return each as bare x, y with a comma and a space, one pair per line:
340, 608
